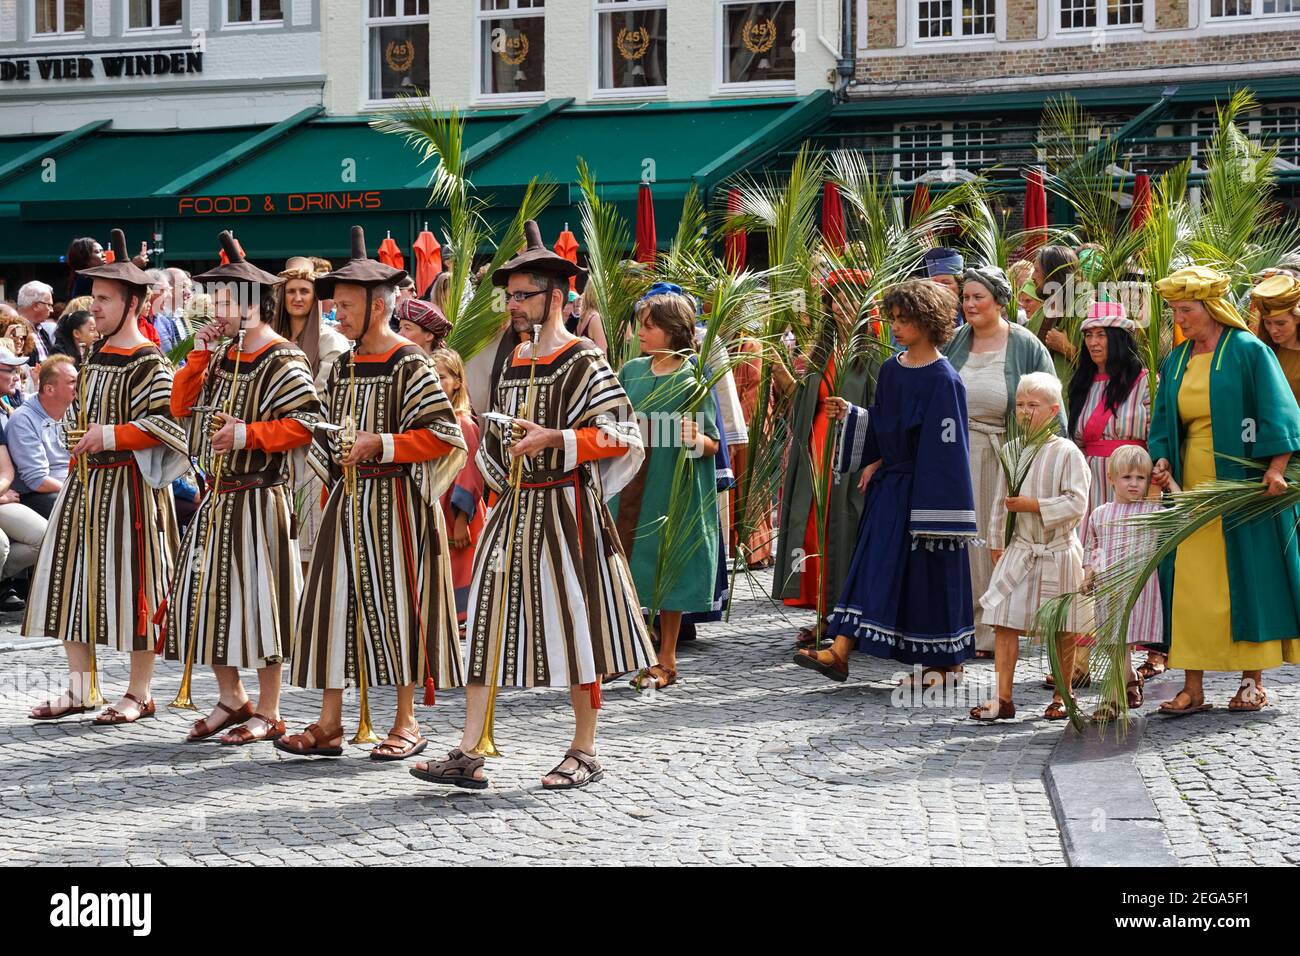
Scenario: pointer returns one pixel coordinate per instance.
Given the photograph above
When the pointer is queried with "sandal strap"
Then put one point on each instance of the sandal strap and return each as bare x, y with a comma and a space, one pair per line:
584, 759
401, 736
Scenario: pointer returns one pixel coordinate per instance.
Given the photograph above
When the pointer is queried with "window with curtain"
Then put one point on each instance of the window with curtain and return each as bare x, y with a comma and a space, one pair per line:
398, 48
58, 16
254, 11
757, 42
512, 47
154, 14
633, 46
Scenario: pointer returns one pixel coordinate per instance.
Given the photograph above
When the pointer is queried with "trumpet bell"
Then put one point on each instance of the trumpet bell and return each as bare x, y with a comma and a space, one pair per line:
486, 747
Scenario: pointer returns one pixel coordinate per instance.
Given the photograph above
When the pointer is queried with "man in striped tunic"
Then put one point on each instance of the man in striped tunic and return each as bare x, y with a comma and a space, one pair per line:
552, 603
237, 587
99, 576
380, 607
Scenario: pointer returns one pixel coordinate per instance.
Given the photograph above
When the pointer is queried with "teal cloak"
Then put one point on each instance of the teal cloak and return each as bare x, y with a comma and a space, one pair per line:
689, 571
1254, 415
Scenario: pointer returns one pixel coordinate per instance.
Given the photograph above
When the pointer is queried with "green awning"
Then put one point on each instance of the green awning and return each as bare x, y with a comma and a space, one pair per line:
118, 165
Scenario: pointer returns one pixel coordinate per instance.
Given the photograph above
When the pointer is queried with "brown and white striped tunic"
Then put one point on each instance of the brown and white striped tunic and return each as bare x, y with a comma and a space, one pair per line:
564, 601
388, 545
251, 576
123, 560
1045, 557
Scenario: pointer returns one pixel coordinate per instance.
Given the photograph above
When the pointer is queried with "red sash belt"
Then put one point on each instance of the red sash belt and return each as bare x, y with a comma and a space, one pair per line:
1104, 448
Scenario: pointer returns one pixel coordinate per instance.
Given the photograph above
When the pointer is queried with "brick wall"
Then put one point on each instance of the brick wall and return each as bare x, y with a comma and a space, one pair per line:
1042, 61
1171, 15
1022, 19
882, 24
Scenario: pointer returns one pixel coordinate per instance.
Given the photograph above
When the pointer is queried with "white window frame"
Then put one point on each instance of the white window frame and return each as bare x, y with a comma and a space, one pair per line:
720, 86
1256, 13
155, 13
1100, 12
512, 12
1254, 121
257, 22
599, 92
914, 26
367, 23
59, 13
946, 158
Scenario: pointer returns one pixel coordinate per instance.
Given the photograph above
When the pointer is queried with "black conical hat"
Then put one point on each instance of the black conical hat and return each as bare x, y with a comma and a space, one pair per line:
536, 258
238, 269
358, 270
122, 269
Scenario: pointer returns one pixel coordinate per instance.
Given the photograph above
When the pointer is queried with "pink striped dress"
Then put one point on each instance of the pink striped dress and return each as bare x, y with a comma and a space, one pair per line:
1108, 540
1099, 432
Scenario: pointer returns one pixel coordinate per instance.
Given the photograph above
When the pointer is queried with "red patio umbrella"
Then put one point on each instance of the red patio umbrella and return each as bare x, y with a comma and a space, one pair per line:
736, 245
428, 260
832, 217
567, 246
646, 243
1141, 200
920, 201
1035, 210
389, 254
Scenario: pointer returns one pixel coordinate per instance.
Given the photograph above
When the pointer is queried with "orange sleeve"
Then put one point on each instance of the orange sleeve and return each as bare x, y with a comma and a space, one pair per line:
188, 382
592, 448
280, 435
418, 445
132, 438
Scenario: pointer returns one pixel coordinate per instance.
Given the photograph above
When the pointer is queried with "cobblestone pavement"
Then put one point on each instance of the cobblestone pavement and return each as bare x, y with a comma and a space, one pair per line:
749, 759
1226, 784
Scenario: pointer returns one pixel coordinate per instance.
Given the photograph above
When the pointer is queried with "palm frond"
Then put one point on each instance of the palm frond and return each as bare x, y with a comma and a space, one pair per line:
612, 286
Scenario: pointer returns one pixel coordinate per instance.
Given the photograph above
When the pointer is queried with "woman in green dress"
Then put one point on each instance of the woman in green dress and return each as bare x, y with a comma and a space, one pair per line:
667, 517
1235, 590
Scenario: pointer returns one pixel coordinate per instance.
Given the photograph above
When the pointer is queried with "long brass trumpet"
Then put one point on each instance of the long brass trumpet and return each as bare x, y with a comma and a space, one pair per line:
486, 746
347, 441
183, 701
92, 696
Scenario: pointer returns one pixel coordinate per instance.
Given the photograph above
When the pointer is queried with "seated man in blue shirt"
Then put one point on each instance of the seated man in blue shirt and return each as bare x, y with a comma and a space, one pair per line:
35, 443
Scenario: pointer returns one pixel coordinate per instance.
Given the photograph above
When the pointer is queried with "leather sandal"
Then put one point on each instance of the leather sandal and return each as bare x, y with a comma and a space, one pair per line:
836, 668
1249, 699
1056, 711
201, 731
1133, 689
457, 769
656, 676
242, 735
985, 713
312, 742
111, 715
1193, 706
588, 770
1151, 668
386, 751
48, 710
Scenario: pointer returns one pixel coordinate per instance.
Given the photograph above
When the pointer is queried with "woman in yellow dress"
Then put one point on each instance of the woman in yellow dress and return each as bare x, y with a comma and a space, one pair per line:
1236, 594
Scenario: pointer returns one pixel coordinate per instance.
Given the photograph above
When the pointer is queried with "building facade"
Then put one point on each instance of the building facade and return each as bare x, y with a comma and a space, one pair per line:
156, 64
496, 53
177, 118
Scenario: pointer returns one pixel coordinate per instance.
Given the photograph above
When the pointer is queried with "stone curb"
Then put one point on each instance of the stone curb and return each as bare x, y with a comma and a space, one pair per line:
1101, 803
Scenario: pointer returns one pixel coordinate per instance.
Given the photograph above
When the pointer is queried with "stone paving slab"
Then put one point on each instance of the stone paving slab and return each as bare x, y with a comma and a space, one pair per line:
1227, 785
748, 760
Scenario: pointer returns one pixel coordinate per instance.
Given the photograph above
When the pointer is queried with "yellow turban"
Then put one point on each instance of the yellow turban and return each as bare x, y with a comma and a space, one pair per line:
1206, 286
1277, 294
